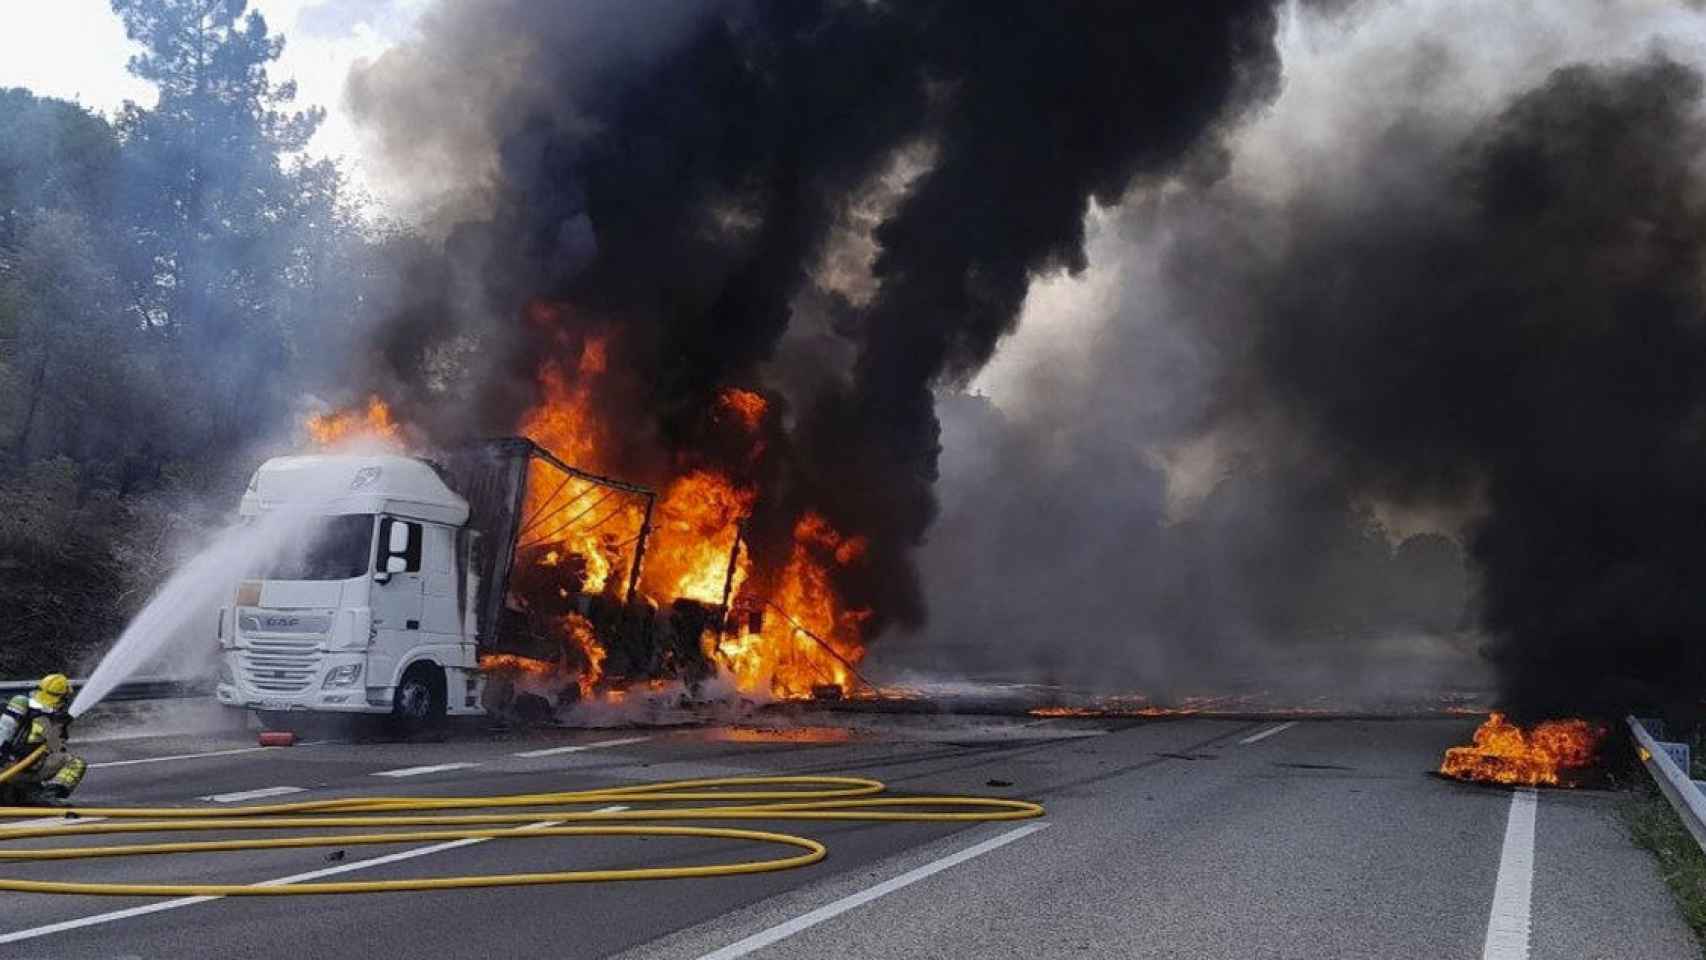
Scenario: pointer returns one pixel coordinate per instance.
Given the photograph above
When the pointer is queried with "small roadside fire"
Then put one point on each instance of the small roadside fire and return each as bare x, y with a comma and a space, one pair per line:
1551, 754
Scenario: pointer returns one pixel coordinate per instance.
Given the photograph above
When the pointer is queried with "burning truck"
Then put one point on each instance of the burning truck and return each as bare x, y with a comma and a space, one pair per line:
426, 586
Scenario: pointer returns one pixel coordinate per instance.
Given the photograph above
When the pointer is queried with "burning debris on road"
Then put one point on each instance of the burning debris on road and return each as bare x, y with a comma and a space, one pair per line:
1552, 753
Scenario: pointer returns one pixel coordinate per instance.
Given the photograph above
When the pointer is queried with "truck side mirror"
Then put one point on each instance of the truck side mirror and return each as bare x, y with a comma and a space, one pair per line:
399, 543
391, 564
399, 548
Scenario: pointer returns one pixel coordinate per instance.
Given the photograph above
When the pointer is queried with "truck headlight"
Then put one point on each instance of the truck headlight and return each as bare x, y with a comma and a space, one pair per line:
344, 676
225, 675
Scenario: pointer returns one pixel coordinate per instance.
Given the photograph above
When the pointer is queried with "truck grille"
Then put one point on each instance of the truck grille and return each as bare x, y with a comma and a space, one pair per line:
280, 665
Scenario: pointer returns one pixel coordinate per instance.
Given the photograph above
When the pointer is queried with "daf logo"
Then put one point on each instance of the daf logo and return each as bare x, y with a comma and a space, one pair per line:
277, 622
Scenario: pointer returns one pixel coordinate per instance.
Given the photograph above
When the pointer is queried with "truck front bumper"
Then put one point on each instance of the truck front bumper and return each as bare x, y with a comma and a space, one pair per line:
345, 700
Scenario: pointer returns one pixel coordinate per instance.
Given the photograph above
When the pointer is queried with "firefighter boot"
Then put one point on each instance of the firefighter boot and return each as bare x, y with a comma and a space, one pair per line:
66, 779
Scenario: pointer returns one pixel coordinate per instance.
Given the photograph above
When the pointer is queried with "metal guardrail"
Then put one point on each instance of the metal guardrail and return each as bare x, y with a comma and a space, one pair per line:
1684, 796
142, 688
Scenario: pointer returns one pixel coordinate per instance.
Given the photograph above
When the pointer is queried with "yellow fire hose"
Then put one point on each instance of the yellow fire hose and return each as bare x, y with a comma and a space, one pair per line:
731, 798
20, 766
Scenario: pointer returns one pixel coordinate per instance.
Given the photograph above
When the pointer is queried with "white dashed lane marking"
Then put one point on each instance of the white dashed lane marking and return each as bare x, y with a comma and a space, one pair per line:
240, 796
417, 771
577, 748
782, 931
45, 822
194, 756
1258, 737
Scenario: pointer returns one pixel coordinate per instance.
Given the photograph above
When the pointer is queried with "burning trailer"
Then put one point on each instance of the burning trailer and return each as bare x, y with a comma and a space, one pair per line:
425, 587
557, 575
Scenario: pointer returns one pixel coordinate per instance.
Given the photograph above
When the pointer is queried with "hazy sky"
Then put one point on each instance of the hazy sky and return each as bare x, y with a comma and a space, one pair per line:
76, 49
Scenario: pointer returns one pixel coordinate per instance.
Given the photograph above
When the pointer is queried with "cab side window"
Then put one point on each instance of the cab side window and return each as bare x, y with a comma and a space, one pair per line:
399, 540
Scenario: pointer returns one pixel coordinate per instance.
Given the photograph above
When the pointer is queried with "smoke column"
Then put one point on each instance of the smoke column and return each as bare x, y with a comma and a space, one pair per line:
678, 175
1523, 323
1412, 354
1445, 289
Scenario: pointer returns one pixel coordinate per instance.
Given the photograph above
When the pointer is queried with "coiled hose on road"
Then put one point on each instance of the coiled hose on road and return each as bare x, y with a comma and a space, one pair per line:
732, 798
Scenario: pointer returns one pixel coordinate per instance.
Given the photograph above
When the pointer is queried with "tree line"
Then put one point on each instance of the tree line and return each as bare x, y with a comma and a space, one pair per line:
173, 280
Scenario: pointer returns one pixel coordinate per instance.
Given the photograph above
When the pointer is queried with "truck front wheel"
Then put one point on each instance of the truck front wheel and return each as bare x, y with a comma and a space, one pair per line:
419, 703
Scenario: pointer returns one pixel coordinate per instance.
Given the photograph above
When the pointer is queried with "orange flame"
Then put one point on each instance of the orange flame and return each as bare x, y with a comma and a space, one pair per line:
581, 634
746, 406
807, 641
1504, 753
564, 423
694, 526
576, 518
688, 554
586, 640
499, 662
340, 427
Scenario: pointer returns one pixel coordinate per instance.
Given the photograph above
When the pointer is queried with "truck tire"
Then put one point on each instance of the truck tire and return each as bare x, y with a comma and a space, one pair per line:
419, 703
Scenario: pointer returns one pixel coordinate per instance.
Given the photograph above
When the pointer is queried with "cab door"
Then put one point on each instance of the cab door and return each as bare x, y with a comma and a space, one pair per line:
398, 597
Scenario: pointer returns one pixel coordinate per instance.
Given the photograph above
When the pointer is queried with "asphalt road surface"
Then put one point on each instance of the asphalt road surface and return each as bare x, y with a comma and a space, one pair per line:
1186, 838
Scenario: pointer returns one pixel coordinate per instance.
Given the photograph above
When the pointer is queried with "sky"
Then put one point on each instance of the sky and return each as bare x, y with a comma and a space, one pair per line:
77, 50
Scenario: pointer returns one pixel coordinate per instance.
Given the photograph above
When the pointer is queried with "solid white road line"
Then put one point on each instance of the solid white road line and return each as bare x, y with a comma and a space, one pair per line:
553, 751
1258, 737
101, 918
180, 756
1508, 923
417, 771
195, 756
145, 909
240, 796
782, 931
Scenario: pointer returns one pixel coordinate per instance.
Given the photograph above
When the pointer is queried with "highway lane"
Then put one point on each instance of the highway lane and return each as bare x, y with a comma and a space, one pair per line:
1176, 838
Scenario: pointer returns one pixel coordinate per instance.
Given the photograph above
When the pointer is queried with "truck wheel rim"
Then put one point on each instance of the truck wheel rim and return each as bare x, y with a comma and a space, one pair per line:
415, 698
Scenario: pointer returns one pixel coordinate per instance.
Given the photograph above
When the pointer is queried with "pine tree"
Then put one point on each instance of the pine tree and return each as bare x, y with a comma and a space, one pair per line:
215, 200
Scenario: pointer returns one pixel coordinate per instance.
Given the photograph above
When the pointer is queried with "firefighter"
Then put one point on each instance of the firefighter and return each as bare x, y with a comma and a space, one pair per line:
42, 718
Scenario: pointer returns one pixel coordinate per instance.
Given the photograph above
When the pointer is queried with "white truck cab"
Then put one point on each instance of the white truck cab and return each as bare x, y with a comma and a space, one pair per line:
367, 607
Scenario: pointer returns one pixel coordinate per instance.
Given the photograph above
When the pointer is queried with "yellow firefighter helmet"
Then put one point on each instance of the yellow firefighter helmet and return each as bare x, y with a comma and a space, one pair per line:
53, 689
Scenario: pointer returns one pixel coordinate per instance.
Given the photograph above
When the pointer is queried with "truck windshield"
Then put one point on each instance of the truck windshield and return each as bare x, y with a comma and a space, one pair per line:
332, 548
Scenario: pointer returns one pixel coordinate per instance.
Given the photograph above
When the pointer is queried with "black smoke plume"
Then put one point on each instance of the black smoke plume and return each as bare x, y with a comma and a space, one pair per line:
1516, 319
674, 174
